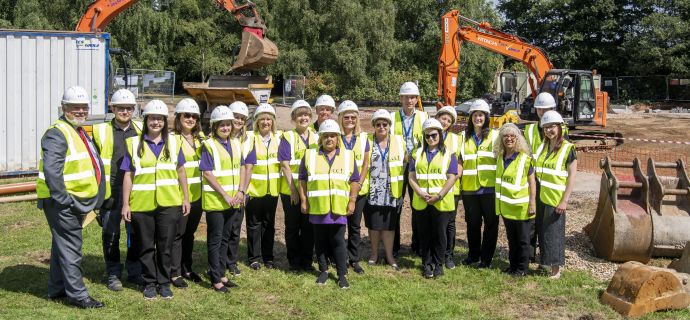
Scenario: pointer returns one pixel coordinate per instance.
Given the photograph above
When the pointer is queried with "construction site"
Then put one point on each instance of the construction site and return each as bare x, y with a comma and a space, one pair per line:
628, 220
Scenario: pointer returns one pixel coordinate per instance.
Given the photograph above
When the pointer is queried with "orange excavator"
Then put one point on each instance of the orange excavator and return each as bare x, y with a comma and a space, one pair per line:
255, 51
578, 99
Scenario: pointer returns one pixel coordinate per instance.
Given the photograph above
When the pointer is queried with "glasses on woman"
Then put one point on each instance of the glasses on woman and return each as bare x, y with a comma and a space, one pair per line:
190, 116
509, 137
350, 118
382, 125
431, 135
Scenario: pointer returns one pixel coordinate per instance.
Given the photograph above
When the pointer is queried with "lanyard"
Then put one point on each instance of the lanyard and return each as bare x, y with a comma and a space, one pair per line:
383, 153
350, 145
407, 130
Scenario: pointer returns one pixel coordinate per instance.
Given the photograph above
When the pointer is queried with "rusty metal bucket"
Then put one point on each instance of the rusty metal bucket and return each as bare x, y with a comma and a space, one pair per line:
638, 215
255, 52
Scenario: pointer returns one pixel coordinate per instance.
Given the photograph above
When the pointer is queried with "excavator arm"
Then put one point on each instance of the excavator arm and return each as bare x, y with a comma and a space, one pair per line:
482, 34
255, 51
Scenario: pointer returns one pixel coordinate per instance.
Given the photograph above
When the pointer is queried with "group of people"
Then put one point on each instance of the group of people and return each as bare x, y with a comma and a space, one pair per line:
329, 175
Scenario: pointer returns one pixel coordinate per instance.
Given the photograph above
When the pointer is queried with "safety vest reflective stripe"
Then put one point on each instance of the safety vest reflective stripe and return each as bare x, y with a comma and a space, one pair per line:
552, 173
155, 182
226, 170
265, 176
512, 198
104, 140
396, 154
417, 132
328, 193
329, 187
509, 200
479, 162
431, 177
297, 150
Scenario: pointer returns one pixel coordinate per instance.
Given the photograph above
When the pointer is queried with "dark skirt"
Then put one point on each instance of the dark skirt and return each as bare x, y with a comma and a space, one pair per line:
380, 218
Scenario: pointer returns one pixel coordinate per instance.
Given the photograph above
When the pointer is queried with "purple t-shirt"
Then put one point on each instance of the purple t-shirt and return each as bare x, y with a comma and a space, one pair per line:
284, 149
251, 157
452, 169
156, 148
206, 163
328, 218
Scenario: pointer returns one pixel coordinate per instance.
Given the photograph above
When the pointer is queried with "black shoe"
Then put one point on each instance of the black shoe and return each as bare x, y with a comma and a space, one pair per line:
517, 274
165, 291
507, 270
321, 280
179, 283
450, 264
438, 271
86, 303
234, 270
255, 265
357, 268
150, 292
468, 261
428, 272
342, 283
192, 276
484, 265
222, 289
269, 265
58, 296
229, 284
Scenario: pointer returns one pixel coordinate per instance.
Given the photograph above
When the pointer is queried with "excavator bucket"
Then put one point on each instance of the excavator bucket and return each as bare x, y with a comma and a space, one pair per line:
637, 289
255, 52
682, 264
641, 216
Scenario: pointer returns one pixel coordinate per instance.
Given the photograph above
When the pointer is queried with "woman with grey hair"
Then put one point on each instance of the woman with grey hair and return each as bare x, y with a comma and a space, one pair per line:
515, 195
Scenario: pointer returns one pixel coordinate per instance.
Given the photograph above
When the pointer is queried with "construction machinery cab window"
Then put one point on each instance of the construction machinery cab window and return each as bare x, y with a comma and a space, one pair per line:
587, 102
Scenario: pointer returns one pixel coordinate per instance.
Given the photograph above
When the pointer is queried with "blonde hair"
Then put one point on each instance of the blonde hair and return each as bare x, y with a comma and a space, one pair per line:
520, 142
270, 116
242, 133
358, 128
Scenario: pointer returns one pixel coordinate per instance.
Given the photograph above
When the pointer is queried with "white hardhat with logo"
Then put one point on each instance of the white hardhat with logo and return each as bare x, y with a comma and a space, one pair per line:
381, 114
239, 107
409, 89
187, 105
298, 104
329, 126
347, 105
156, 107
480, 105
221, 113
75, 95
550, 117
326, 101
544, 101
448, 110
431, 123
123, 97
264, 108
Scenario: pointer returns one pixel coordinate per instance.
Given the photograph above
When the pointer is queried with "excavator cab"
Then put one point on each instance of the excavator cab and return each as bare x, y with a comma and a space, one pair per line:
574, 93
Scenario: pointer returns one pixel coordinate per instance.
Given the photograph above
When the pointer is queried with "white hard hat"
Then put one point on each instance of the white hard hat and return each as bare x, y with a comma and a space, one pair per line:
329, 126
187, 105
544, 101
381, 114
449, 110
431, 123
549, 117
409, 89
479, 105
264, 108
346, 106
221, 113
75, 95
156, 107
123, 97
239, 107
299, 104
325, 100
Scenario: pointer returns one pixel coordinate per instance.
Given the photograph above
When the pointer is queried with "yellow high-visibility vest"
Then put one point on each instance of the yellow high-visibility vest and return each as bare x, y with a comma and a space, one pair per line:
103, 138
552, 173
192, 157
328, 186
265, 178
226, 169
512, 188
417, 132
452, 143
396, 169
478, 163
431, 176
297, 150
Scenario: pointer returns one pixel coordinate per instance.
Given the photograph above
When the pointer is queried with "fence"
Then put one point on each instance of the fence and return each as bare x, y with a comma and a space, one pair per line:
644, 150
293, 88
650, 88
147, 84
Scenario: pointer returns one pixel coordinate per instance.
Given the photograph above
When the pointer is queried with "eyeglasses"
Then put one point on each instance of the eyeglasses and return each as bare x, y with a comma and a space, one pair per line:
431, 135
509, 137
382, 125
190, 115
124, 109
350, 118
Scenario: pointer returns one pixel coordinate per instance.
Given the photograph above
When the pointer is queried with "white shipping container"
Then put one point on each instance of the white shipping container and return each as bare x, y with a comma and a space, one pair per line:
35, 68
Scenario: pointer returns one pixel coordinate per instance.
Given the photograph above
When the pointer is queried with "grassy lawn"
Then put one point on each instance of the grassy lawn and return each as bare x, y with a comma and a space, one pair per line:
275, 294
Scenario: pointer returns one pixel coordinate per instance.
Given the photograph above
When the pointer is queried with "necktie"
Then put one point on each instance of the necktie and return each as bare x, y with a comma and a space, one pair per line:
93, 160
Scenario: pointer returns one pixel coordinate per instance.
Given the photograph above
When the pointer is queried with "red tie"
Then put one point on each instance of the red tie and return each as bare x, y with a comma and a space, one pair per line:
93, 160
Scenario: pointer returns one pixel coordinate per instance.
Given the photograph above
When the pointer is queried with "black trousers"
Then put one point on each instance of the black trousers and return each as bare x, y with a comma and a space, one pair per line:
156, 230
396, 241
65, 252
261, 231
451, 230
354, 227
481, 209
432, 225
111, 219
184, 241
223, 240
331, 237
519, 248
299, 234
